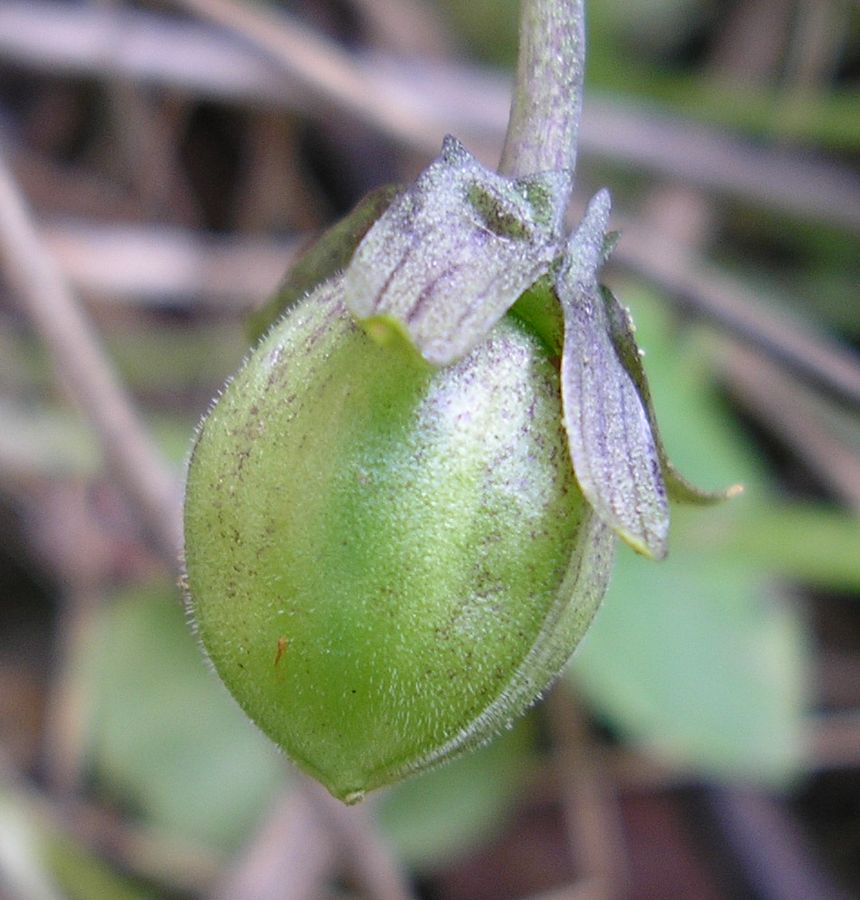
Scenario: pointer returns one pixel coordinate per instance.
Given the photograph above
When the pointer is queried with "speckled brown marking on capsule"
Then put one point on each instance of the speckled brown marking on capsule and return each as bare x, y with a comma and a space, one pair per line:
427, 706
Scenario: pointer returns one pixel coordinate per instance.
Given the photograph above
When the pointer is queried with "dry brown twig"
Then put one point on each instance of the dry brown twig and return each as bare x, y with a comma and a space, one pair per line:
288, 858
320, 67
157, 264
76, 551
406, 26
683, 275
443, 95
56, 315
775, 857
793, 413
591, 812
835, 740
305, 834
368, 857
146, 139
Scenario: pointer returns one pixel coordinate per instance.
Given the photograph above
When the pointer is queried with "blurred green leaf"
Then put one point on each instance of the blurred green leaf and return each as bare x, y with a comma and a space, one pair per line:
38, 861
696, 657
818, 545
83, 876
165, 734
22, 863
446, 812
693, 659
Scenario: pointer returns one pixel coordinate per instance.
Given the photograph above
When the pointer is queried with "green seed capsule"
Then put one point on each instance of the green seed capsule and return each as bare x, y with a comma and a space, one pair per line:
387, 562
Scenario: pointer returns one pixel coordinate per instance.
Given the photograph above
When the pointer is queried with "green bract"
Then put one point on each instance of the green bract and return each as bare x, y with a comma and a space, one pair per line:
387, 563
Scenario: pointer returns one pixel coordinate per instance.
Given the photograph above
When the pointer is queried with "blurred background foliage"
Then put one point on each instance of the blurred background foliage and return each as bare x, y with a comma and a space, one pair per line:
705, 740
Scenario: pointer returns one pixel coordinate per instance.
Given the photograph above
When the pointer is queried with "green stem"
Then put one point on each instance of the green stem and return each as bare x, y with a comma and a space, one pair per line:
544, 122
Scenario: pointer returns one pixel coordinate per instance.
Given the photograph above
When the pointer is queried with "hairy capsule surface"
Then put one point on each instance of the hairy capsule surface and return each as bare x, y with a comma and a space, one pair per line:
387, 562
